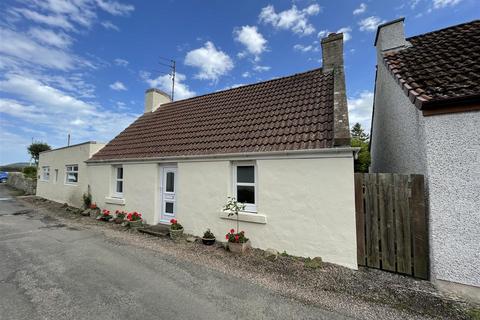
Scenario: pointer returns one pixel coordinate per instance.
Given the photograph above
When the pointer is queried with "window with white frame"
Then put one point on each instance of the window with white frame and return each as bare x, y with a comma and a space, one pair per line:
244, 178
71, 174
45, 173
118, 181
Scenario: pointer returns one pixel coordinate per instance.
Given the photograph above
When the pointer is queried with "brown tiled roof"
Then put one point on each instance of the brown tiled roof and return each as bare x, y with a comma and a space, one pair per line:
441, 67
290, 113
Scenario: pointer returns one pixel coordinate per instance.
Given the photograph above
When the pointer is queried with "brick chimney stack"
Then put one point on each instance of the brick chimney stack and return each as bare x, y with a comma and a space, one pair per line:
332, 58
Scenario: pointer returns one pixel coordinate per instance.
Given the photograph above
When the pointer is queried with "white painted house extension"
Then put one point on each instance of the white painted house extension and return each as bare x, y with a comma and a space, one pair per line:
426, 120
62, 173
279, 146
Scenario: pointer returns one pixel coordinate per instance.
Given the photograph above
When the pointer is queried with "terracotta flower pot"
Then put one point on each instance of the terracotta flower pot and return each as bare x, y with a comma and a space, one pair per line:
176, 234
239, 248
208, 241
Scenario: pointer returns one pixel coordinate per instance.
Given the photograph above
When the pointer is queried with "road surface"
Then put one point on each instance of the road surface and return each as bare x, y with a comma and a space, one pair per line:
51, 271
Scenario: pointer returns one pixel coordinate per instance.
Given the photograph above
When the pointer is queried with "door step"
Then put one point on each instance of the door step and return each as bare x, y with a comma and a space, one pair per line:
158, 230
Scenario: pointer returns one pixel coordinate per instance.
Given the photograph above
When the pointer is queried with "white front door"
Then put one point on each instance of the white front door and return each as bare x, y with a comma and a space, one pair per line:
168, 190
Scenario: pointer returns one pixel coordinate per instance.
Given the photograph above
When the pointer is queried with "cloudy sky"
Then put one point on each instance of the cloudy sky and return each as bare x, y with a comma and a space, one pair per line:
82, 66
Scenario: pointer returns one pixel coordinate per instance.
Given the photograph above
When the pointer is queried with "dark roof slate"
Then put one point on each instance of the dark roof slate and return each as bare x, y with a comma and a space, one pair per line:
290, 113
440, 66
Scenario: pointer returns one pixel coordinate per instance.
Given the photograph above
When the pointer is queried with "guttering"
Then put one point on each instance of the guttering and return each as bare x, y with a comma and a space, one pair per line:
241, 155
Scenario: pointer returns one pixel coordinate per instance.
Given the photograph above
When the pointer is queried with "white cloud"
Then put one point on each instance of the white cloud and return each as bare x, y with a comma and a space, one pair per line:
361, 9
118, 86
258, 68
115, 8
52, 110
212, 63
291, 19
302, 48
121, 62
370, 23
21, 47
347, 35
437, 4
56, 39
253, 40
46, 83
109, 25
322, 33
164, 82
360, 109
51, 20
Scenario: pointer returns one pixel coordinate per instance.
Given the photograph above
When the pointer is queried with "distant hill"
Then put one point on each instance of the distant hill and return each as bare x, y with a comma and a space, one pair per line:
17, 166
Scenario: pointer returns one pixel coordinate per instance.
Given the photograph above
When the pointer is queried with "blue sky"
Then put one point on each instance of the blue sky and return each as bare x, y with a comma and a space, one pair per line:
82, 66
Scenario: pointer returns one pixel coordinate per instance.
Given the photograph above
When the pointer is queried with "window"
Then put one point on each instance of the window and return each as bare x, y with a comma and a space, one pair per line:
244, 188
45, 173
118, 181
71, 174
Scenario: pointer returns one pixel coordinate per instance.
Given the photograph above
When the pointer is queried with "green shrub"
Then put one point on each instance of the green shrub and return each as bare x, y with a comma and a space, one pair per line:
87, 200
30, 172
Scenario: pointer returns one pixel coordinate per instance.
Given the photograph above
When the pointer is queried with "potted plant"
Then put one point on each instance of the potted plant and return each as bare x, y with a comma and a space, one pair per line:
119, 216
233, 207
105, 216
237, 242
176, 229
134, 219
208, 238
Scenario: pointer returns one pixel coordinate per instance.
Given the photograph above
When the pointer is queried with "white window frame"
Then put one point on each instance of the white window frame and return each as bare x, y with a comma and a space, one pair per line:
67, 171
249, 207
45, 173
115, 179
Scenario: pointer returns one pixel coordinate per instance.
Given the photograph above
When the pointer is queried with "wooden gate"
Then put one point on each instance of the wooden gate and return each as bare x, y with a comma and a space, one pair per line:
392, 230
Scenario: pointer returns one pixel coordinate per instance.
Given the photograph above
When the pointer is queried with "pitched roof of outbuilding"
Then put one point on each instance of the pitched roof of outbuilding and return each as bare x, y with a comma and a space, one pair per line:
290, 113
440, 67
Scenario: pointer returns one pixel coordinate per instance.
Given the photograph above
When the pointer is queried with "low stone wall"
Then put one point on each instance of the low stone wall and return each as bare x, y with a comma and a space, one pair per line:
19, 181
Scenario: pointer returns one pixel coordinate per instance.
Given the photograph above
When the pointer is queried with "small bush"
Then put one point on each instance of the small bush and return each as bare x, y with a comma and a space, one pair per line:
175, 225
30, 172
208, 234
87, 200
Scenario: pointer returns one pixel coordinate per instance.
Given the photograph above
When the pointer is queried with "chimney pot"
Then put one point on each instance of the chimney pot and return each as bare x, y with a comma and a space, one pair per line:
154, 99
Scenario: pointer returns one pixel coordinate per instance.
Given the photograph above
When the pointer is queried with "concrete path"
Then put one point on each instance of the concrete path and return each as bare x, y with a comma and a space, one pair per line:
51, 271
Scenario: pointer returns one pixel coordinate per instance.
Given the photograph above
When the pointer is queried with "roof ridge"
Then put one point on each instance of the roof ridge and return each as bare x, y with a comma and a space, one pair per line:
240, 87
442, 29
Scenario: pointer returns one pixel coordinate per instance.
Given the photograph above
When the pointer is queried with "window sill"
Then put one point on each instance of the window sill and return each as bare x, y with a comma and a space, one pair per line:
246, 217
111, 200
71, 184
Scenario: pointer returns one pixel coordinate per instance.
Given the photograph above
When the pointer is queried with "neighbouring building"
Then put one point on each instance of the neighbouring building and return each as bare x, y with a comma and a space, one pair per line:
282, 147
426, 120
62, 173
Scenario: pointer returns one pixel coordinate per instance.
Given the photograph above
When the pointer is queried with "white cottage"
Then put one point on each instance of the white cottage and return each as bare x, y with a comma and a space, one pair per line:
426, 121
279, 146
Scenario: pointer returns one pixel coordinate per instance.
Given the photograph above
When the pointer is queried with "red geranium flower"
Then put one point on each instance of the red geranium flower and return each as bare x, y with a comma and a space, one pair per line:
236, 237
227, 236
232, 231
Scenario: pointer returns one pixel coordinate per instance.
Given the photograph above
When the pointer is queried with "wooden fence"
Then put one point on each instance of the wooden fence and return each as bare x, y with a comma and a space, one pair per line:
392, 230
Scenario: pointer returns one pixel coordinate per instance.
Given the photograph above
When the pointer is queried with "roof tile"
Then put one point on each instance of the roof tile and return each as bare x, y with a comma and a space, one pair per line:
289, 113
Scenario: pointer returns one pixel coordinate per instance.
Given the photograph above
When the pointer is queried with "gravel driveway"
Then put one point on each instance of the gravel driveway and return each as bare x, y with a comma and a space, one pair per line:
56, 265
